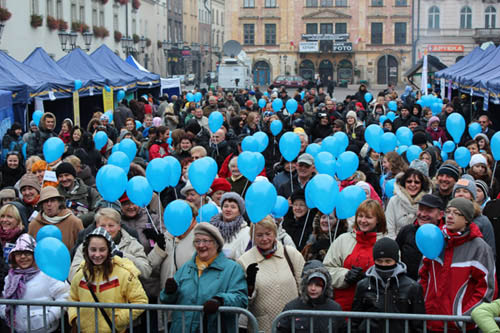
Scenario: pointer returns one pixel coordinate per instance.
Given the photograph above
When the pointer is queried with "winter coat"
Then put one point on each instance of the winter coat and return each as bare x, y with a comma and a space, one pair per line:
304, 302
410, 254
9, 177
319, 241
123, 286
399, 294
401, 209
294, 227
158, 150
348, 250
462, 277
86, 175
487, 231
219, 152
224, 278
131, 249
82, 196
484, 316
275, 284
140, 222
439, 135
11, 142
121, 114
36, 141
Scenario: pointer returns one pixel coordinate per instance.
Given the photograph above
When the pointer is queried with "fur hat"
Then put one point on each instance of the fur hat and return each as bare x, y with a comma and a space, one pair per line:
235, 197
482, 136
466, 207
477, 159
468, 183
209, 230
420, 166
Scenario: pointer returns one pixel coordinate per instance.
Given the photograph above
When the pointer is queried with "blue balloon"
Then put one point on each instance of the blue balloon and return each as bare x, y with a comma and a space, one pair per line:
373, 134
52, 257
391, 115
420, 102
302, 94
436, 108
206, 212
53, 148
368, 97
190, 97
309, 195
289, 146
389, 188
251, 164
197, 97
266, 94
405, 136
78, 84
462, 156
100, 139
324, 191
37, 115
175, 170
48, 231
276, 127
262, 141
215, 121
382, 119
495, 146
329, 144
381, 181
260, 200
120, 95
107, 88
25, 145
313, 149
474, 129
139, 191
129, 147
138, 124
437, 144
342, 141
177, 217
169, 141
277, 104
262, 103
349, 200
430, 240
413, 153
347, 164
455, 124
202, 173
116, 147
402, 149
249, 143
111, 182
393, 106
280, 207
291, 105
109, 113
157, 174
448, 146
444, 155
388, 142
325, 163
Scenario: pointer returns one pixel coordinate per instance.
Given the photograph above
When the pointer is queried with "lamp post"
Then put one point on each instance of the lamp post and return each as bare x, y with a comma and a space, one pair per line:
127, 45
1, 30
71, 37
284, 59
166, 46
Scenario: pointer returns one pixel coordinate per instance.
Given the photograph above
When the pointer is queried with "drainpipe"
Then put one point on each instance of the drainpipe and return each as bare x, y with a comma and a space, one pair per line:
415, 41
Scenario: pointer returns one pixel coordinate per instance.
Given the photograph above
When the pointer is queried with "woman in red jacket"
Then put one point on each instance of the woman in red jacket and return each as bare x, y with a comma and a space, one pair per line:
158, 147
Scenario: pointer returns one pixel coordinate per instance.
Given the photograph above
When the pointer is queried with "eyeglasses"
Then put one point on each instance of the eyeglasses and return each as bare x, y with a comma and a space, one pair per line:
203, 241
412, 181
453, 212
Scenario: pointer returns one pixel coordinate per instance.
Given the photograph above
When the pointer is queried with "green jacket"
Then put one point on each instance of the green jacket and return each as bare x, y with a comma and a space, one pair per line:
484, 316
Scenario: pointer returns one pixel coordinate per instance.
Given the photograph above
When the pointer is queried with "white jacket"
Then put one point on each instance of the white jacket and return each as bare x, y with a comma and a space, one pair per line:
40, 288
238, 245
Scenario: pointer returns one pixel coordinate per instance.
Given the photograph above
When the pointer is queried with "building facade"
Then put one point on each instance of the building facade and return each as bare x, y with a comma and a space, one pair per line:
191, 49
218, 25
175, 37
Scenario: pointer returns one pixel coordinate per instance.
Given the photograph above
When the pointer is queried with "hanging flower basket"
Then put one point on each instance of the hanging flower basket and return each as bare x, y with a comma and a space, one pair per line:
136, 38
63, 25
118, 36
121, 2
84, 28
100, 32
4, 14
52, 23
76, 26
104, 2
136, 4
159, 44
148, 42
36, 20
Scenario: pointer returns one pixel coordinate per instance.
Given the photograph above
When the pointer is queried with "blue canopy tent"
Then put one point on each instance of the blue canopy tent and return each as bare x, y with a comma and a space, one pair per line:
472, 57
6, 112
488, 55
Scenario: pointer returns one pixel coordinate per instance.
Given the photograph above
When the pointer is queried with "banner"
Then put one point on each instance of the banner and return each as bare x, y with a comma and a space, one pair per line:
305, 47
424, 75
107, 99
76, 108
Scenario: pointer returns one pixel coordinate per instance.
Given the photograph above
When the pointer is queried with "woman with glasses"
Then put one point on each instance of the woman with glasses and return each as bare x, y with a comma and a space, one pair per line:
209, 279
463, 275
409, 188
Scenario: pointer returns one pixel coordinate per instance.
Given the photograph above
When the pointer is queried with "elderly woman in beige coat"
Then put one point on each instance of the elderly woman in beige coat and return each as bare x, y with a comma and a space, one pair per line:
272, 272
109, 219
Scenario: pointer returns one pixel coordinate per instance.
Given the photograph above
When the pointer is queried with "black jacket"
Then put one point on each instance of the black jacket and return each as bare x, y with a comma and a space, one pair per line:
294, 227
399, 294
410, 254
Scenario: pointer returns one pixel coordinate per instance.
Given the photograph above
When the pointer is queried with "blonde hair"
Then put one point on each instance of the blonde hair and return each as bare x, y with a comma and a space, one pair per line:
30, 161
199, 149
73, 160
11, 209
110, 213
268, 223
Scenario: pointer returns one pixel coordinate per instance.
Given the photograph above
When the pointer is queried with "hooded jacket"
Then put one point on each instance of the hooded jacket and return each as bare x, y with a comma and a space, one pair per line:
36, 141
398, 294
461, 278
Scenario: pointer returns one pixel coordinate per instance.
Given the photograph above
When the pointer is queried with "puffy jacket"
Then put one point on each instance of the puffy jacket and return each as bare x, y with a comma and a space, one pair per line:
224, 278
461, 278
399, 294
123, 286
36, 141
439, 135
484, 316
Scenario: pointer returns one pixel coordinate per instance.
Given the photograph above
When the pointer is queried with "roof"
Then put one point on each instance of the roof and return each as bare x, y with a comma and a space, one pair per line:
433, 63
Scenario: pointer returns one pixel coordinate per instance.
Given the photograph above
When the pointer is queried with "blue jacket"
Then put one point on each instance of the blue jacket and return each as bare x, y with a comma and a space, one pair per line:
224, 278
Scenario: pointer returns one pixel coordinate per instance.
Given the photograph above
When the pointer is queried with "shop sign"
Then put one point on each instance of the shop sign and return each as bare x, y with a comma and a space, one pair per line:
307, 47
311, 37
446, 48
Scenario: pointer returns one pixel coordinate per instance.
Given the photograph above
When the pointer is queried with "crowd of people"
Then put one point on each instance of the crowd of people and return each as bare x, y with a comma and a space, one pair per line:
305, 260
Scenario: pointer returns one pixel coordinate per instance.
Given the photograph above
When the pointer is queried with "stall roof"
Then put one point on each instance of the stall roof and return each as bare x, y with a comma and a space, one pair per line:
473, 56
434, 65
487, 56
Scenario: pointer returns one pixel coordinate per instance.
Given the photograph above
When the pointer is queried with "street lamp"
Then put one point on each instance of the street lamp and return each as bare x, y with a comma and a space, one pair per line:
284, 59
63, 39
1, 30
142, 44
127, 43
71, 37
87, 38
166, 46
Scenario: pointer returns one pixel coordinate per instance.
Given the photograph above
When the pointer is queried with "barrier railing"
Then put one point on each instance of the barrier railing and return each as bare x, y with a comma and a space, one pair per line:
162, 309
367, 317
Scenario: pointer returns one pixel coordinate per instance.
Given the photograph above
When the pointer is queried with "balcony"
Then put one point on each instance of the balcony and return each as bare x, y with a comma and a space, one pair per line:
482, 35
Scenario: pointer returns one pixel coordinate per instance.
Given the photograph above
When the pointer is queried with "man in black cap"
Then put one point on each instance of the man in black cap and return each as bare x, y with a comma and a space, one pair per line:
430, 210
447, 176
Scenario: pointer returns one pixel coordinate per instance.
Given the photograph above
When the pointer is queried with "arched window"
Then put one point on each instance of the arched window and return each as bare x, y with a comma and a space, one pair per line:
434, 17
490, 17
466, 18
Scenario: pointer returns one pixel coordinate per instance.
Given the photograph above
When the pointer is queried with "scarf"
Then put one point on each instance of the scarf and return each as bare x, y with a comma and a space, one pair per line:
55, 219
32, 202
268, 253
16, 286
228, 230
9, 235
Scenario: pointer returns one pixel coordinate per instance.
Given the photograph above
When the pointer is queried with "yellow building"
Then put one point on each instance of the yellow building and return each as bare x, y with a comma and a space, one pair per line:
191, 51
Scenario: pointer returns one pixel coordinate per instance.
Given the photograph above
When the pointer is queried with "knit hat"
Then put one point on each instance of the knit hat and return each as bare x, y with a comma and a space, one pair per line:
65, 167
39, 166
339, 123
24, 242
468, 183
477, 159
386, 248
29, 179
235, 197
101, 203
49, 192
421, 166
450, 170
351, 114
298, 195
482, 136
360, 105
193, 127
432, 120
209, 230
466, 207
484, 187
188, 187
220, 184
8, 193
122, 135
419, 138
101, 232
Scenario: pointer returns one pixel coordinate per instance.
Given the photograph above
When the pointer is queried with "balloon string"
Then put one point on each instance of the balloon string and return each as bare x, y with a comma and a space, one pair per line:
175, 192
160, 212
329, 230
253, 235
151, 219
304, 228
493, 175
244, 188
336, 228
434, 274
291, 180
201, 204
172, 271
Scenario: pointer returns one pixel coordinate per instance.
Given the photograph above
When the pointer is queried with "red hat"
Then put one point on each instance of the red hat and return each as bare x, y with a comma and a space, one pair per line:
360, 105
220, 184
124, 198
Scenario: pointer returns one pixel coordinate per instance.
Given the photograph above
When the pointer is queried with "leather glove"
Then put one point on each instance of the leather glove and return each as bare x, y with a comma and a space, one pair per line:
252, 270
170, 286
212, 305
354, 275
159, 239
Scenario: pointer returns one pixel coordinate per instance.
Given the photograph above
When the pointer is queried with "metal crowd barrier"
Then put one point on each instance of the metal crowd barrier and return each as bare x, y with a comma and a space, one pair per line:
368, 316
163, 310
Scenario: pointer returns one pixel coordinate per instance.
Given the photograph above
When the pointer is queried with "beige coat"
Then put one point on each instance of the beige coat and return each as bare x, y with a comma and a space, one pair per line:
275, 285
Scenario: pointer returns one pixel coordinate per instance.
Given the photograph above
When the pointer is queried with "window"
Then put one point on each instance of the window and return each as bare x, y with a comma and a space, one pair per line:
50, 7
115, 22
341, 3
326, 3
270, 3
377, 3
311, 3
340, 28
311, 28
434, 17
401, 3
34, 7
101, 18
95, 17
377, 29
59, 9
73, 13
134, 26
248, 3
400, 33
248, 34
82, 13
465, 18
490, 17
326, 28
270, 34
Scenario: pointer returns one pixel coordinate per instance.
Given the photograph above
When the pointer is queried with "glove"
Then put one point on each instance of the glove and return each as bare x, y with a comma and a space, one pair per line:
212, 305
159, 239
354, 275
170, 286
252, 270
